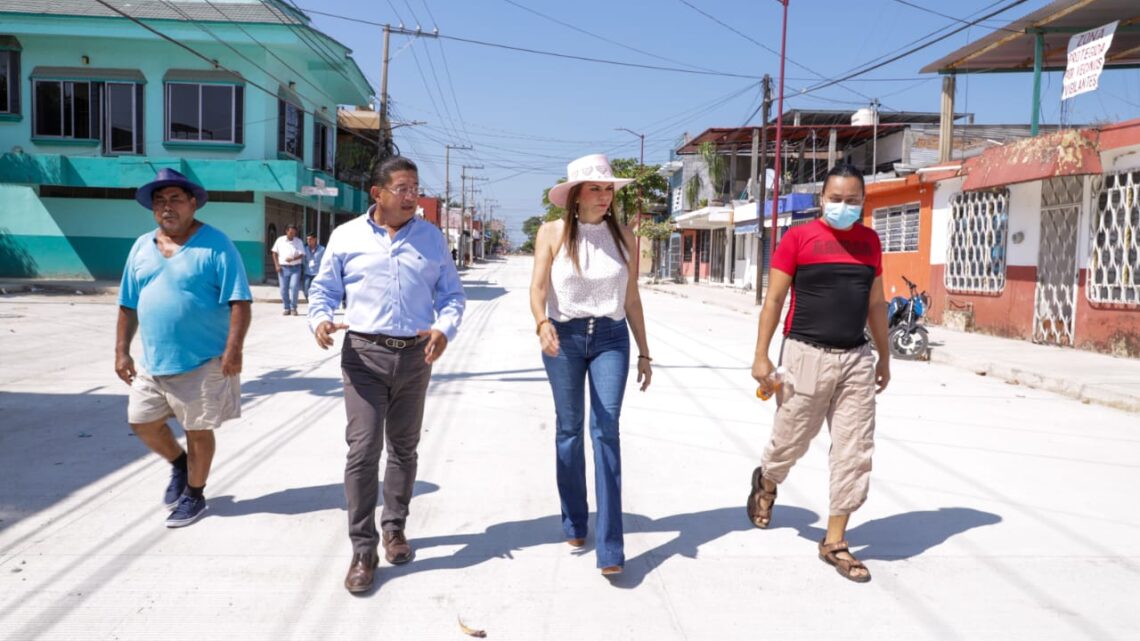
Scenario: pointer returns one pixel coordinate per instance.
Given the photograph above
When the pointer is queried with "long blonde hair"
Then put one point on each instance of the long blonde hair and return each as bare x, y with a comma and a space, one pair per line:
570, 228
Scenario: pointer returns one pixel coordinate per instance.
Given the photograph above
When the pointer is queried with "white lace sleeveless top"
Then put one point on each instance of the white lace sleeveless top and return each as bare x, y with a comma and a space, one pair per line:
599, 288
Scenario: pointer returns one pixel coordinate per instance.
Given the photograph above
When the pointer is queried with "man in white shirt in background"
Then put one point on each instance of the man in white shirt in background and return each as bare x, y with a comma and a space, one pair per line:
288, 256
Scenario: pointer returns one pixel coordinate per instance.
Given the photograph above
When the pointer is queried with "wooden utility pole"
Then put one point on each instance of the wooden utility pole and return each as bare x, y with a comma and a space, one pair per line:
762, 186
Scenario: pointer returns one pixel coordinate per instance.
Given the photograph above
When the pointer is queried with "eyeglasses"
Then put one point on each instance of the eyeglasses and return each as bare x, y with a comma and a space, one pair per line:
403, 191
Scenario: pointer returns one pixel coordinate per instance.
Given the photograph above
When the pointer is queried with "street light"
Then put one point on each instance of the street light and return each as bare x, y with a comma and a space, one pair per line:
641, 168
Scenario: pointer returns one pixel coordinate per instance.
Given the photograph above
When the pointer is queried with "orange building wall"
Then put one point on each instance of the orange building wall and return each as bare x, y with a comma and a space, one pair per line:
914, 265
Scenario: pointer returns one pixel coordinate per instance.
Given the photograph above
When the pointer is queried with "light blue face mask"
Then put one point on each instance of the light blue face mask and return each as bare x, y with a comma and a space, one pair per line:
842, 215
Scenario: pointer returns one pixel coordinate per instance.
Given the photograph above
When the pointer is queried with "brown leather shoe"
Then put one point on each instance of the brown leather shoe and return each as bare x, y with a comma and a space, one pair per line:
361, 572
396, 548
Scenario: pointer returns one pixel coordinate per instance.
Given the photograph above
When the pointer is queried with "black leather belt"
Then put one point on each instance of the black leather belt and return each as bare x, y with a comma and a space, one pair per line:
395, 342
826, 348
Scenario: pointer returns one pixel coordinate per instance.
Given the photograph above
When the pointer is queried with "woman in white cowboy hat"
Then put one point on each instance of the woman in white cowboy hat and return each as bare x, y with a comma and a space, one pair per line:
584, 298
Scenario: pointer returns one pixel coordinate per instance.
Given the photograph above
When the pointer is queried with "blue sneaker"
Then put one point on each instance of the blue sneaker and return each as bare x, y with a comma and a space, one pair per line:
188, 510
176, 487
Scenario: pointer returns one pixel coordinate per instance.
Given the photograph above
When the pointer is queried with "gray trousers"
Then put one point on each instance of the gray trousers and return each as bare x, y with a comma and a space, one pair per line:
384, 392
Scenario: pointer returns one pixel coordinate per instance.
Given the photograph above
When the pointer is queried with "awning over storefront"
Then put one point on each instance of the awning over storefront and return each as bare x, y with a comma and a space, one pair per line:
1062, 153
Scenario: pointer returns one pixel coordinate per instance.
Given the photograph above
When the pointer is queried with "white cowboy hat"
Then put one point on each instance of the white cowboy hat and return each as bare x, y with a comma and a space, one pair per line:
594, 168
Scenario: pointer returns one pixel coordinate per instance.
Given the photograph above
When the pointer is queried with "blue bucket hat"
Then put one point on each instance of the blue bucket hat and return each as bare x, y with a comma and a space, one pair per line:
170, 178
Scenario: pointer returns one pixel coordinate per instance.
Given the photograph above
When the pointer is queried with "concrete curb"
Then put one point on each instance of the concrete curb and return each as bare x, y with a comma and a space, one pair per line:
1036, 380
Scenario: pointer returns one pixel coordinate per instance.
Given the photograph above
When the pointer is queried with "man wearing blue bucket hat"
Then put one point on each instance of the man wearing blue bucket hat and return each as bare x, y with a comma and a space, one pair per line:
185, 290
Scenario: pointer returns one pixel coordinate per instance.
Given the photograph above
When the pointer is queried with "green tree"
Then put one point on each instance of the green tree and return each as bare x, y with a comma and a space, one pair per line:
648, 190
530, 228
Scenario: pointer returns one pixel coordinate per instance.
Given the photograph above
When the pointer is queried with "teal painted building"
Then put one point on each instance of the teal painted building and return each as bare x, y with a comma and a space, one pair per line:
241, 96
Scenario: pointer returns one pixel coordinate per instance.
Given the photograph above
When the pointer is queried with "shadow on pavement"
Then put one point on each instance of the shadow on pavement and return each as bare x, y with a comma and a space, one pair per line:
694, 530
482, 292
901, 536
492, 375
298, 500
891, 538
54, 445
289, 380
502, 540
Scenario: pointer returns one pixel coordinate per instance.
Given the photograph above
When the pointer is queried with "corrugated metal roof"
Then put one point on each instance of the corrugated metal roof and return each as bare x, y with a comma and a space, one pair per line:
1011, 48
265, 12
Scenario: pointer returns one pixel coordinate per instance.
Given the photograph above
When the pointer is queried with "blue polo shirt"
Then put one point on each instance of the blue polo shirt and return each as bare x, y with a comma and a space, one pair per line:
183, 302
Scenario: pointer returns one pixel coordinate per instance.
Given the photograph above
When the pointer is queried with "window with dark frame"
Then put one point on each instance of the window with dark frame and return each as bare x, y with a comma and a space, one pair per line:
207, 113
65, 109
9, 82
323, 146
123, 127
290, 129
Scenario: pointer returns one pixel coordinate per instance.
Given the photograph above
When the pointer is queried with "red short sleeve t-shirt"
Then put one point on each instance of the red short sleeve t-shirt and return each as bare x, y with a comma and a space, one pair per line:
832, 271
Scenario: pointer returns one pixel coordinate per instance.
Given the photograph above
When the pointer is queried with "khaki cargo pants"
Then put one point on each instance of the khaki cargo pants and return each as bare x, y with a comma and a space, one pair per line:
827, 384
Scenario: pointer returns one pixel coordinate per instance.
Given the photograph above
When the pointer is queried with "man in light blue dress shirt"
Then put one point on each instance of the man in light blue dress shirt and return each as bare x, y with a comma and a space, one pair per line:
405, 303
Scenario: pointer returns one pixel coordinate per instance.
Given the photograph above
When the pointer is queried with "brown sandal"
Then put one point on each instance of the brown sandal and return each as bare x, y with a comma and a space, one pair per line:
829, 554
759, 515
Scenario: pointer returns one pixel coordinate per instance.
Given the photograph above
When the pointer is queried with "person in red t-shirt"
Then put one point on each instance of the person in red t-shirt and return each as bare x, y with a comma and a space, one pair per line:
833, 267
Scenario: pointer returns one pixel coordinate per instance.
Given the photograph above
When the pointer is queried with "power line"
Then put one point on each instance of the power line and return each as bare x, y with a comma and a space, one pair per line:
321, 49
540, 52
920, 38
949, 17
762, 45
267, 50
211, 61
860, 72
603, 38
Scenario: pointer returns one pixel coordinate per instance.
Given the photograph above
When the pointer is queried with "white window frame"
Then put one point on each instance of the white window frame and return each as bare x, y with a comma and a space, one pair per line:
894, 236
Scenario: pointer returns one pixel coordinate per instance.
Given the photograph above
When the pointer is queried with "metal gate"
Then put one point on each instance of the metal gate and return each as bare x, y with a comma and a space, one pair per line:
1057, 272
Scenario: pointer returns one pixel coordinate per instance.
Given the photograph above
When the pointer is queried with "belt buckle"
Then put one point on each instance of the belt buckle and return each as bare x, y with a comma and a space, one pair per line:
396, 343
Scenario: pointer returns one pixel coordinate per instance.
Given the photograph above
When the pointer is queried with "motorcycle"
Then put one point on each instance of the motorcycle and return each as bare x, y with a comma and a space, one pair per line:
906, 337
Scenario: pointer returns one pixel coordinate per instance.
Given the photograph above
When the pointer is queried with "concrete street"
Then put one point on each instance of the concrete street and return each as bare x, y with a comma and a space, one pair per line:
996, 511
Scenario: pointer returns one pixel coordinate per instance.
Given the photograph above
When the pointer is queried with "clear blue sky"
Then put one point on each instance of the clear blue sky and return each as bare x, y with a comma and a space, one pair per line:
527, 115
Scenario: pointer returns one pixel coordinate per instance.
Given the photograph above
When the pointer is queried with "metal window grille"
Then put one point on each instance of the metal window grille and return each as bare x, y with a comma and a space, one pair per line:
897, 227
1115, 253
976, 255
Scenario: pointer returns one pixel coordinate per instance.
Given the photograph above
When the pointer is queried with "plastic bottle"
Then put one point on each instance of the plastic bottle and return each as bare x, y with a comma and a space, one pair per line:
777, 380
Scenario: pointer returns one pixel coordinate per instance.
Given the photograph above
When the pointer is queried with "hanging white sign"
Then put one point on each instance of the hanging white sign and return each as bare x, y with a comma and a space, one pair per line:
1086, 60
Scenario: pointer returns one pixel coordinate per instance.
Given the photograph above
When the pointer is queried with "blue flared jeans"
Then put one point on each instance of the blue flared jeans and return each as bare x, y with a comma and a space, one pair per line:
594, 350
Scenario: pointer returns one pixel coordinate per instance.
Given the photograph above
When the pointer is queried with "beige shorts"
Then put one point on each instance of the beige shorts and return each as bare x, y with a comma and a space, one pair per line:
201, 399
